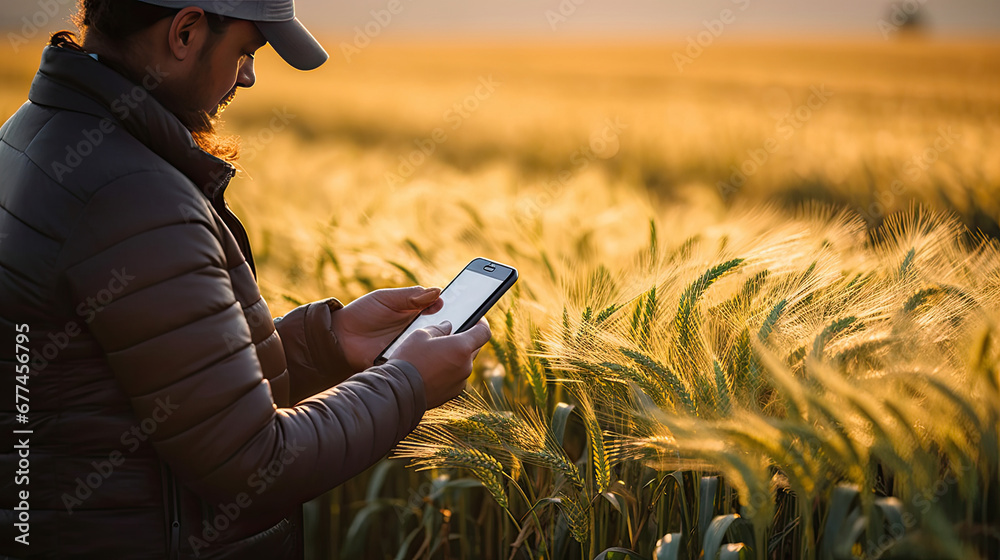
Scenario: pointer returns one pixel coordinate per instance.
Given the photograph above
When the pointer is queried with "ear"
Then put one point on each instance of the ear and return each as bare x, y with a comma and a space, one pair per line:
187, 32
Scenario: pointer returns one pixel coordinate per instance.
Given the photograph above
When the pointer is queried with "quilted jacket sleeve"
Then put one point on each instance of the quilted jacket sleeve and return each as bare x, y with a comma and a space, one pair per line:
315, 359
151, 282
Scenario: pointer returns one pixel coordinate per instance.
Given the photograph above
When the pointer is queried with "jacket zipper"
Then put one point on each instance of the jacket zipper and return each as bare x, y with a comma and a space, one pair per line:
173, 514
236, 228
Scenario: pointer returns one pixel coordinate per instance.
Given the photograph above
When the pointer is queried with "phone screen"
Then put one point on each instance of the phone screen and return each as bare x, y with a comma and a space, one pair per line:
466, 294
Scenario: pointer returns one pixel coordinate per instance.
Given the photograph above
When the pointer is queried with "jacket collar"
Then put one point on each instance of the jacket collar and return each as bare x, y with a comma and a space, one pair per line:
73, 80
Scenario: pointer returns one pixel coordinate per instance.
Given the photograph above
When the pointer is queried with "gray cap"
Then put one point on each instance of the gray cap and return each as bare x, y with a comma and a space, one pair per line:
276, 21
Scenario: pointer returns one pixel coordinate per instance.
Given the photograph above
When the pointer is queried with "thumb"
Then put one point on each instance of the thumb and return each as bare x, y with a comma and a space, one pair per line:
408, 299
479, 334
442, 329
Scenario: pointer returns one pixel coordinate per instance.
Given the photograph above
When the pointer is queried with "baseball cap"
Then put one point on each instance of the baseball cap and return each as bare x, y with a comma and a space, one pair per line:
276, 21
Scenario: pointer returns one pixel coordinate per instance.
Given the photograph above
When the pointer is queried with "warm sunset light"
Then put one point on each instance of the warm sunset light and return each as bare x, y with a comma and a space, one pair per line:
739, 259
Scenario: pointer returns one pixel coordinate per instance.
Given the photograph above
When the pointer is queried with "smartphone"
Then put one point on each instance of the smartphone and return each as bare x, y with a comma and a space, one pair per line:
466, 299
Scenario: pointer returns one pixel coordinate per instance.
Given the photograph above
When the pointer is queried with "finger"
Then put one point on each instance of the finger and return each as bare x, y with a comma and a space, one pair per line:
407, 299
422, 297
442, 329
434, 308
479, 334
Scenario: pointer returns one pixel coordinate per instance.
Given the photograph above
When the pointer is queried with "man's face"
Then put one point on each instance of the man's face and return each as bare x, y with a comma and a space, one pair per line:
224, 66
201, 85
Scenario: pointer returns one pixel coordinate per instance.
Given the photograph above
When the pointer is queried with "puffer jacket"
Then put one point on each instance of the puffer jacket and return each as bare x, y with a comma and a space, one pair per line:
168, 415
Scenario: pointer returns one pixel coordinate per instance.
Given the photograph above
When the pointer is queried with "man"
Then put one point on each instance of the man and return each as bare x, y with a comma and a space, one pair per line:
158, 410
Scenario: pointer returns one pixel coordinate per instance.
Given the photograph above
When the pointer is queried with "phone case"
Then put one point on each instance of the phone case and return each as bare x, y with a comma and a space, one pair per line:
487, 266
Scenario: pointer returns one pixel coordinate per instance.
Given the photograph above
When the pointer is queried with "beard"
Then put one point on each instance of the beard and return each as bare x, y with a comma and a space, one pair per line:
203, 126
225, 102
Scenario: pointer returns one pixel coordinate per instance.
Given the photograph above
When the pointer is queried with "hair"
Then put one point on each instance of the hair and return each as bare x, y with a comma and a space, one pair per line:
115, 23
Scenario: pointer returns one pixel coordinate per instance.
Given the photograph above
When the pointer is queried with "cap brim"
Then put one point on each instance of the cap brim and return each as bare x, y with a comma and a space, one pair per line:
293, 42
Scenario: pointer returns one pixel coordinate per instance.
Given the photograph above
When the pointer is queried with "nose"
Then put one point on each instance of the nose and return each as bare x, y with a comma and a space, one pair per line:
246, 77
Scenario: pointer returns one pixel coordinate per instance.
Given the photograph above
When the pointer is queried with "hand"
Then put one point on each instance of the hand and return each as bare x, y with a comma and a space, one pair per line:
368, 324
444, 360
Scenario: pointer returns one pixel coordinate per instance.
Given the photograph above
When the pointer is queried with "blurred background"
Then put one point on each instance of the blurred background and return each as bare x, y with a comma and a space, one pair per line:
872, 105
437, 120
616, 19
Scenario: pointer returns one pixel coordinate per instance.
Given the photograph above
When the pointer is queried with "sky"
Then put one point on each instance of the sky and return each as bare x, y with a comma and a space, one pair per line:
651, 16
591, 18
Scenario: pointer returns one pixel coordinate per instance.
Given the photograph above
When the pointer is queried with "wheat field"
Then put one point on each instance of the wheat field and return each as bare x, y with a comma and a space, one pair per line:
904, 123
757, 307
